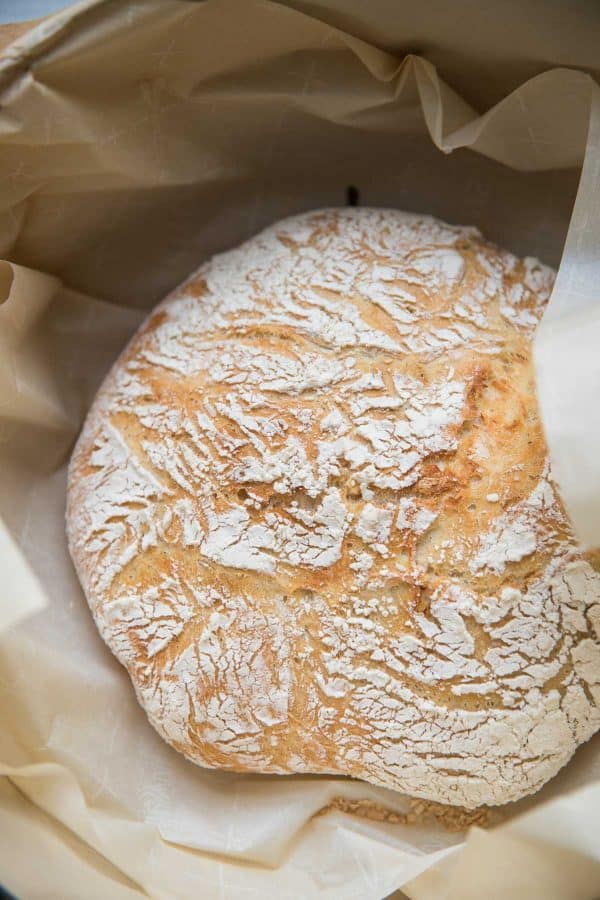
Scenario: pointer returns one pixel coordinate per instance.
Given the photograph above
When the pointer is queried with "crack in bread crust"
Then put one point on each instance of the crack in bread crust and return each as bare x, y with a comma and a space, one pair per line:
312, 513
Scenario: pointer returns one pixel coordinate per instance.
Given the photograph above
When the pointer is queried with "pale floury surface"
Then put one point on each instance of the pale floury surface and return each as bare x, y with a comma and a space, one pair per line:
312, 515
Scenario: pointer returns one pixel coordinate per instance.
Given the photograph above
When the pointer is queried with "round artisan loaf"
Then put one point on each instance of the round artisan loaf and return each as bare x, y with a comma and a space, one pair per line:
312, 514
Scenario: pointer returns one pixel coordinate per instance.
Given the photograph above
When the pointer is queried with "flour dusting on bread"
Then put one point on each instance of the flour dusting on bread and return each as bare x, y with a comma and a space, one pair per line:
312, 513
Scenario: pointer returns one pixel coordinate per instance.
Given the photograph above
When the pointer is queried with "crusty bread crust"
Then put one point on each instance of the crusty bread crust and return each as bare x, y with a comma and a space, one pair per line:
312, 514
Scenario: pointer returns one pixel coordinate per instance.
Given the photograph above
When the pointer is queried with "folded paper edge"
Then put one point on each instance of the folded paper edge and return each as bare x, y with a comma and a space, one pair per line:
21, 594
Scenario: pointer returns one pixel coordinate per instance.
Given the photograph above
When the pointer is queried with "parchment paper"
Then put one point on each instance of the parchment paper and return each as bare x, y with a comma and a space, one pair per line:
135, 140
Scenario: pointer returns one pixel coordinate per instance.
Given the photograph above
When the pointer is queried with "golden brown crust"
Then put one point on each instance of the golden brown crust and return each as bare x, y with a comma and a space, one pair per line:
312, 514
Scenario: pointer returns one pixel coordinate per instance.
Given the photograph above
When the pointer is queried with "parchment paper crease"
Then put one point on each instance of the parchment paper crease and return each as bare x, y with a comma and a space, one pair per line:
135, 140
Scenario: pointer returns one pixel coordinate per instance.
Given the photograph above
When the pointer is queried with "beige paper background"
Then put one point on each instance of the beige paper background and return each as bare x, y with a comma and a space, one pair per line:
136, 139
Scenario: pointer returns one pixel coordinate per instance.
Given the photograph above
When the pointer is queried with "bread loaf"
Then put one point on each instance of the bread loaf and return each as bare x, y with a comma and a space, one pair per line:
312, 513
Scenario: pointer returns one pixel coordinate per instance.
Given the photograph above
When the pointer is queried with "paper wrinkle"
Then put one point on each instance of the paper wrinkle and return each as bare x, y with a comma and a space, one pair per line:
21, 594
136, 140
67, 862
566, 351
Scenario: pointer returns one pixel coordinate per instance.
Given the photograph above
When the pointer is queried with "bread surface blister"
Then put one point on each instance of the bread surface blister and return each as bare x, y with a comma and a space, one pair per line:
312, 513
